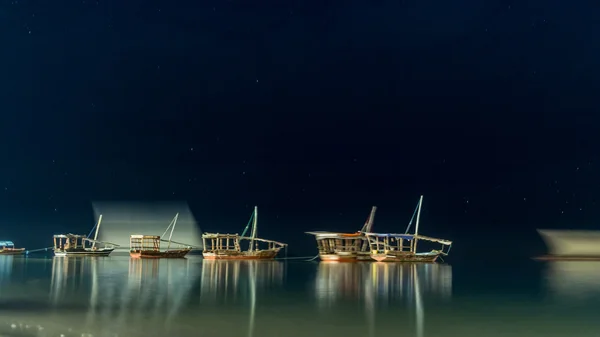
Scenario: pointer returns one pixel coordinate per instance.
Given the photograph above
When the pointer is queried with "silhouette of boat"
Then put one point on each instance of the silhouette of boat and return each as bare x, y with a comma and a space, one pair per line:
78, 245
345, 247
393, 247
8, 248
148, 246
229, 246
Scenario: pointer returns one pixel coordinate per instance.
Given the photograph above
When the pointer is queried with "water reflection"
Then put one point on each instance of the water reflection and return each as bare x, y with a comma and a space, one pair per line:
115, 298
68, 269
225, 280
386, 282
228, 281
145, 297
573, 279
118, 297
383, 283
6, 267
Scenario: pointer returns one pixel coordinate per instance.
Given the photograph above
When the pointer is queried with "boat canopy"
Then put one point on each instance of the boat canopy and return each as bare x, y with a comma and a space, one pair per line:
238, 237
334, 235
6, 244
141, 236
410, 237
427, 238
220, 236
66, 236
391, 235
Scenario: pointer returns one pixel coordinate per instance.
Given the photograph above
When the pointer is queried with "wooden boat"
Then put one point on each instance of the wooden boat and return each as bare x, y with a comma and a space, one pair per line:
345, 247
8, 248
229, 246
148, 246
570, 245
78, 245
392, 247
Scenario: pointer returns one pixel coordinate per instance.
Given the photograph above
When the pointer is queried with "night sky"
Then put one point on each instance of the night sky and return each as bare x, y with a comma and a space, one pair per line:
314, 111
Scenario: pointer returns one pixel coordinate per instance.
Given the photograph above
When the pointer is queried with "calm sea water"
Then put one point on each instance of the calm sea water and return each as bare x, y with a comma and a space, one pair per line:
118, 296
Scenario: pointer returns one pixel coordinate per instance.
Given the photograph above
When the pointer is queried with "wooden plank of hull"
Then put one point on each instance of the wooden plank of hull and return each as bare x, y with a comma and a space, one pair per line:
18, 251
235, 255
344, 258
404, 258
104, 252
567, 258
152, 254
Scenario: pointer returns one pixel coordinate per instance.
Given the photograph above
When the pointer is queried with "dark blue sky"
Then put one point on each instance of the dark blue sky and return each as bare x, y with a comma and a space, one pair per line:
313, 111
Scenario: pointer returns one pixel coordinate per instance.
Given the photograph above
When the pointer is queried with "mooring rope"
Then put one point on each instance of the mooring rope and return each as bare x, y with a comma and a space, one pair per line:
37, 250
298, 258
88, 236
411, 219
248, 225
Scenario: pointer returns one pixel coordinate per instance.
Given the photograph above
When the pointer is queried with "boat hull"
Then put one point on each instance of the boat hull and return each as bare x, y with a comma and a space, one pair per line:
345, 258
566, 258
18, 251
97, 252
235, 255
405, 258
152, 254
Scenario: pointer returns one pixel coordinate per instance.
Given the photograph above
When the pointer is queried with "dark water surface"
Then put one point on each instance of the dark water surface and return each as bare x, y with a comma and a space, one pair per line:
118, 296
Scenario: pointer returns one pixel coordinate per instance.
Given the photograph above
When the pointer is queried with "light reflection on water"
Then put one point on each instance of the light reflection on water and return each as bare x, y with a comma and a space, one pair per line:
382, 283
221, 282
122, 294
117, 296
6, 266
573, 280
386, 281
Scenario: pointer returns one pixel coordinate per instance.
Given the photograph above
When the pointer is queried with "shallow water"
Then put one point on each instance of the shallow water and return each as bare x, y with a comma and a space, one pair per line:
118, 296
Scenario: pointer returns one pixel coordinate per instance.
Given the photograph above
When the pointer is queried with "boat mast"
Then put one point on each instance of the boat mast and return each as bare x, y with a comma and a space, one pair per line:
370, 220
254, 224
417, 224
96, 234
172, 229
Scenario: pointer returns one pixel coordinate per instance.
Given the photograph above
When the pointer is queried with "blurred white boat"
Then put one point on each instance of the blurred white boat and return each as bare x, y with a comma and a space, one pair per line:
571, 244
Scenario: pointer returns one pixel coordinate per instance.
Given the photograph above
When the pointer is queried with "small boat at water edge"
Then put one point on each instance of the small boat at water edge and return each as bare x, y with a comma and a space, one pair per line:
345, 247
148, 246
8, 248
229, 246
392, 247
570, 245
78, 245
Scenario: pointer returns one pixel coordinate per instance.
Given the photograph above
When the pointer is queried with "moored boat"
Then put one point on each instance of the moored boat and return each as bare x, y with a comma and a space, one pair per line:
403, 247
8, 248
571, 245
230, 246
82, 245
345, 247
148, 246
